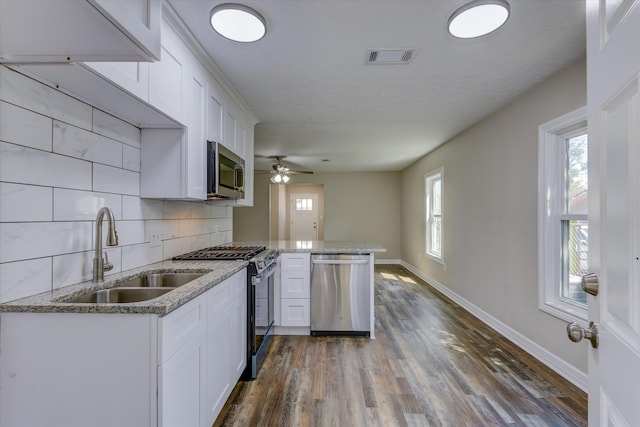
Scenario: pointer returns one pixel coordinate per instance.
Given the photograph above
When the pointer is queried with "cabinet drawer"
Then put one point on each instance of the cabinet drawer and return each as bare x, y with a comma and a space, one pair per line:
295, 312
294, 284
295, 261
180, 326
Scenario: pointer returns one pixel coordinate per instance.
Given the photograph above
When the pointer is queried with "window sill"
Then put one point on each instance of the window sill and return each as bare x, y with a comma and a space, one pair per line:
564, 311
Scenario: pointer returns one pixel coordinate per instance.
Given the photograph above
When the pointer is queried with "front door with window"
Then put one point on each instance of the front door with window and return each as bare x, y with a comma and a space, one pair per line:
613, 87
303, 210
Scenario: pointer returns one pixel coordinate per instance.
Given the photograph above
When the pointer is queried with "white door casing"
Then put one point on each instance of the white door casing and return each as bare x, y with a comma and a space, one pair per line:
613, 82
304, 223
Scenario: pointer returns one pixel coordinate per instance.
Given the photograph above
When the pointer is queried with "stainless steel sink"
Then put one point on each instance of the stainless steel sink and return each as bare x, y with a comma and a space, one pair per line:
161, 280
121, 295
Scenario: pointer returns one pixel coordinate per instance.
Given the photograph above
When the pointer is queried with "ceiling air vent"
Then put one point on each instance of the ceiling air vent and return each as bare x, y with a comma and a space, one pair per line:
390, 56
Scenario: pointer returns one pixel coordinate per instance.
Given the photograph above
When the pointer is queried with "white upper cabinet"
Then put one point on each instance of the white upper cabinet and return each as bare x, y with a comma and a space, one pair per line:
168, 77
37, 31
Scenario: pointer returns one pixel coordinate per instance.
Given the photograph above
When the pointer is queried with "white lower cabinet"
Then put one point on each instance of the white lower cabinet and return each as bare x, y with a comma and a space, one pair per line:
295, 289
127, 370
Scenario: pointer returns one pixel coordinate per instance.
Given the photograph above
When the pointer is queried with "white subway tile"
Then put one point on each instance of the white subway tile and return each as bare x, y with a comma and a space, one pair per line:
218, 211
25, 203
72, 268
200, 210
25, 92
131, 158
174, 209
24, 278
82, 144
129, 232
19, 241
78, 267
29, 166
140, 255
167, 229
192, 227
75, 205
24, 127
175, 247
112, 127
137, 208
113, 180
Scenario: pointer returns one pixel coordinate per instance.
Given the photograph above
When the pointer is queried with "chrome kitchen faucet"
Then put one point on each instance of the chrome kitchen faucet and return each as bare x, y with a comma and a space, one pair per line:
101, 264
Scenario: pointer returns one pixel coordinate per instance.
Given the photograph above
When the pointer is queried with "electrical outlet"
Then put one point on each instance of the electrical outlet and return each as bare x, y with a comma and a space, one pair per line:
155, 239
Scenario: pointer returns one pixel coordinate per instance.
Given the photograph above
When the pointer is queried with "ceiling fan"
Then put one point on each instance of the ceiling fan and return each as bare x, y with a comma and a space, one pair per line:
280, 172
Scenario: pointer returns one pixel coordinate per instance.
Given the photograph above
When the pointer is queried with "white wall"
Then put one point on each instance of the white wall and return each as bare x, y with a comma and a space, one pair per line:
62, 160
490, 213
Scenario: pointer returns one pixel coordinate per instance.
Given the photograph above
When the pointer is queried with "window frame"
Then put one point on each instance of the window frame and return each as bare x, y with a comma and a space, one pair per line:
551, 199
428, 179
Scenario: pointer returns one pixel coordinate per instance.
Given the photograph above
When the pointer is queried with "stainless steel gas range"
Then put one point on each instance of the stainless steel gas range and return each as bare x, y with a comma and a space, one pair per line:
260, 300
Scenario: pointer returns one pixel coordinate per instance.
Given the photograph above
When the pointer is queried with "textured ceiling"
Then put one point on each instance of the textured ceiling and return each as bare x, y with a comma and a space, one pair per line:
316, 99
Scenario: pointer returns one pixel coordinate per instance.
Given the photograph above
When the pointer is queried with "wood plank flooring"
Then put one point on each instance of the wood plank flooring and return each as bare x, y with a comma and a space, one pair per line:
431, 364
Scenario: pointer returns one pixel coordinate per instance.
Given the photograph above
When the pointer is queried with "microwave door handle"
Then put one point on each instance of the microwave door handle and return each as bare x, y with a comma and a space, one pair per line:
236, 170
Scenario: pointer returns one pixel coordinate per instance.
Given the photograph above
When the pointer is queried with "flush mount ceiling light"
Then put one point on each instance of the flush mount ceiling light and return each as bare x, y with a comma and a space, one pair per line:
238, 22
478, 18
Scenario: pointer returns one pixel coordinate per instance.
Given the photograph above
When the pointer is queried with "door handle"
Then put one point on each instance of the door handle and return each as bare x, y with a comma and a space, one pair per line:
590, 284
575, 333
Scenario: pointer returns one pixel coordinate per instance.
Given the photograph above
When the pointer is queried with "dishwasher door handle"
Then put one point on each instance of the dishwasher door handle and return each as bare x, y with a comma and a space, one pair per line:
341, 261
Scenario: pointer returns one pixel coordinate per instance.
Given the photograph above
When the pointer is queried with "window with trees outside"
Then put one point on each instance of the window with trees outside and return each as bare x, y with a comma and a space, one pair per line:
563, 232
433, 184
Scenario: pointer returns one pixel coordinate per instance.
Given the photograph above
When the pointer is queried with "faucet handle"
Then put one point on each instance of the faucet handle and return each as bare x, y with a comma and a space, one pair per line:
106, 266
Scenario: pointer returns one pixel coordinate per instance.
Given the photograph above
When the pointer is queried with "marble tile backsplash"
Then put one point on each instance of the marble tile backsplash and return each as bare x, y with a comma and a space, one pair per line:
61, 160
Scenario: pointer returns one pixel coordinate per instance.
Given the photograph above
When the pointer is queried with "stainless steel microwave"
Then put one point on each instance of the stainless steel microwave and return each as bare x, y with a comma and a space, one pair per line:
225, 173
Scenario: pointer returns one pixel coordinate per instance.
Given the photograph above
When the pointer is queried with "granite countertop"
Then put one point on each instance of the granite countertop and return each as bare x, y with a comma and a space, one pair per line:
318, 246
50, 302
216, 272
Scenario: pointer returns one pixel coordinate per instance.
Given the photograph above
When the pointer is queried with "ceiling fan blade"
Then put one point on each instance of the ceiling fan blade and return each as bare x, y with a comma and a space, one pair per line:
300, 172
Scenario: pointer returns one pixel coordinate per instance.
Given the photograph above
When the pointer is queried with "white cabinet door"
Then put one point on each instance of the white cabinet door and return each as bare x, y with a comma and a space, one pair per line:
295, 312
40, 31
168, 77
218, 379
196, 148
181, 389
238, 348
295, 284
215, 112
139, 20
230, 128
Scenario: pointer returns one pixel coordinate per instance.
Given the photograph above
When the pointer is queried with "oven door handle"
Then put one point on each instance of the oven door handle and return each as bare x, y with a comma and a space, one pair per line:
270, 271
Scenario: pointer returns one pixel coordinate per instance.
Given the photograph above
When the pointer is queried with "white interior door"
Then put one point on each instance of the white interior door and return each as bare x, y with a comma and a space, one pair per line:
303, 211
613, 80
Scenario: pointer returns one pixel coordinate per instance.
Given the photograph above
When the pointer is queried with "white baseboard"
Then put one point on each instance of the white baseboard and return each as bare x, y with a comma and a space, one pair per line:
564, 369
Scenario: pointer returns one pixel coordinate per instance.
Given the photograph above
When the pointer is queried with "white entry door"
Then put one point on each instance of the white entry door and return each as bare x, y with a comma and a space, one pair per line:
303, 211
613, 82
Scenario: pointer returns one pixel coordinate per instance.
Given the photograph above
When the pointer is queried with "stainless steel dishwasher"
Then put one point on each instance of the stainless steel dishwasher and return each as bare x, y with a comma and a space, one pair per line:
340, 294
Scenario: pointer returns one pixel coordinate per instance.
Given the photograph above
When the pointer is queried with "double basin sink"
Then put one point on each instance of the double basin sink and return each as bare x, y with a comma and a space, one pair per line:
137, 289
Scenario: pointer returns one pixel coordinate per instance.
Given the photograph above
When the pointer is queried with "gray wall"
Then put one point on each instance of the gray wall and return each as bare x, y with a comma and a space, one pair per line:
490, 212
359, 206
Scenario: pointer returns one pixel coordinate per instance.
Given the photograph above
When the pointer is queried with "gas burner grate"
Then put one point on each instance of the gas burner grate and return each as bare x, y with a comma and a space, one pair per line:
221, 253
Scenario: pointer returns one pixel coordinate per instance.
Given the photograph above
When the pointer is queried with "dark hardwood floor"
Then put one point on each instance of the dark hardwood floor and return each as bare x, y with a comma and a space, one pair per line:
431, 364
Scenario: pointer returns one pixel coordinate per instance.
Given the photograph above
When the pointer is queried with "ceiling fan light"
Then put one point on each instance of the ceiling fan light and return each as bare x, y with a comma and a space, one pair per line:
285, 178
478, 18
277, 178
238, 22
